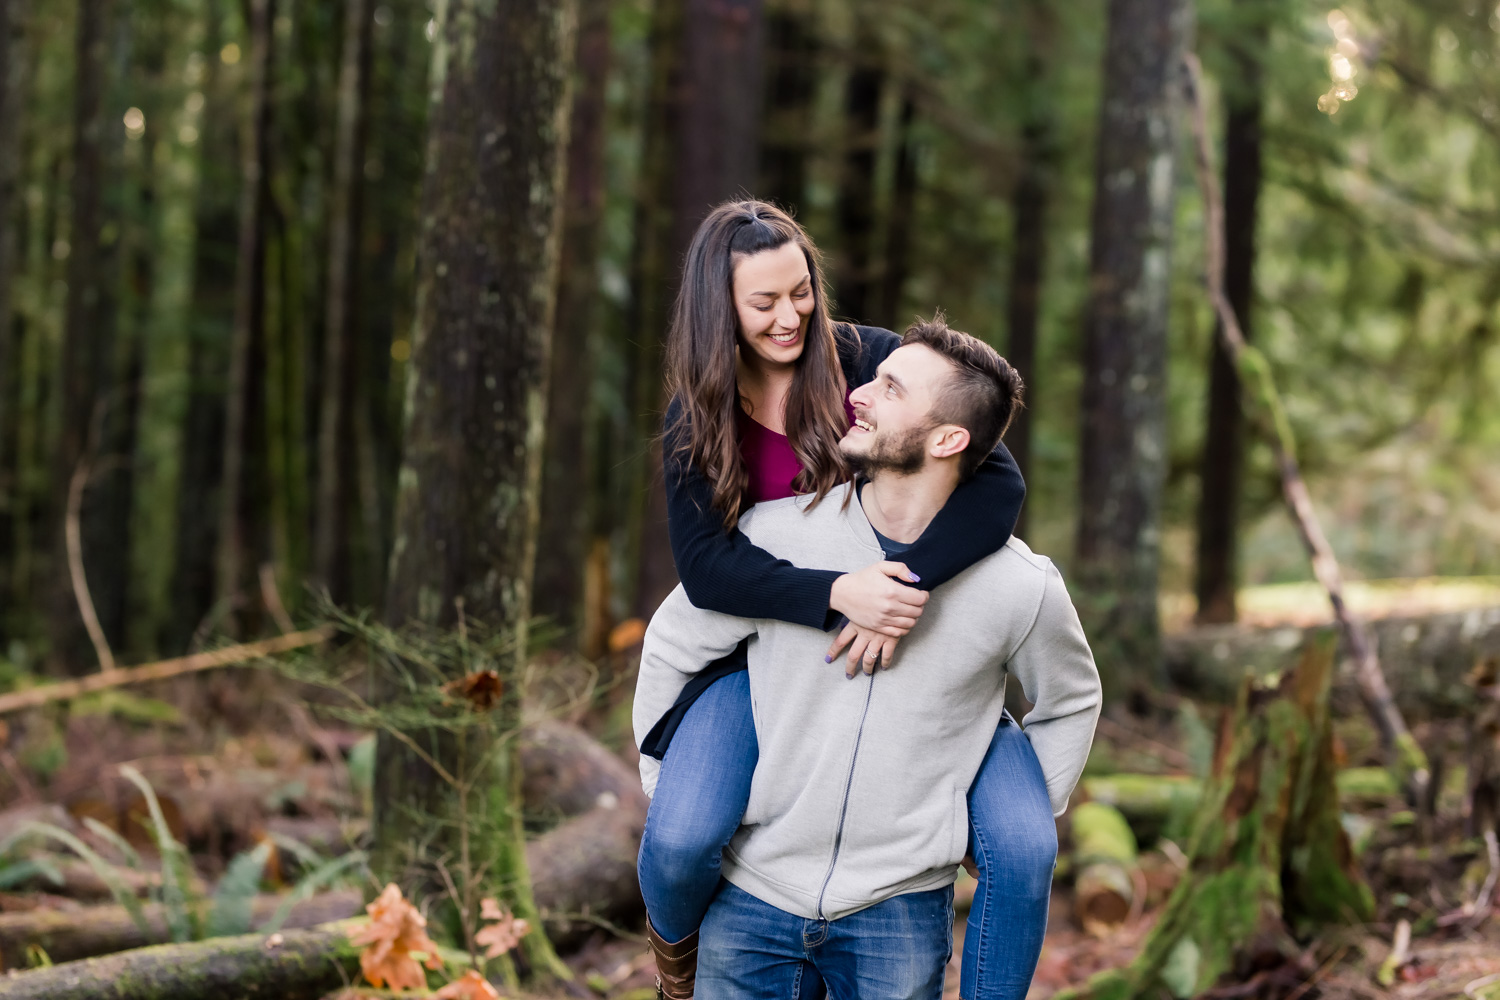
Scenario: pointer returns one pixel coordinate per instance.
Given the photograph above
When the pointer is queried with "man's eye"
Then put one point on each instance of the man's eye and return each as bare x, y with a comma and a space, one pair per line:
890, 390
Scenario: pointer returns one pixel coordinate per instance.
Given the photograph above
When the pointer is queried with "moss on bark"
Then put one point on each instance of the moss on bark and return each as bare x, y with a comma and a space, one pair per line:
1268, 857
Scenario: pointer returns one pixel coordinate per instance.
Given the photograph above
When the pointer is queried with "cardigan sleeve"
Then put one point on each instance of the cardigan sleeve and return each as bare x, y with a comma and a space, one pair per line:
978, 518
722, 570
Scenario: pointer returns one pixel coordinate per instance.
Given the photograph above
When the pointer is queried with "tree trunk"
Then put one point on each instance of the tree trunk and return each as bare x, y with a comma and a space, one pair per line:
885, 307
466, 515
336, 459
707, 151
1222, 463
855, 274
299, 965
69, 935
241, 519
208, 336
791, 86
1029, 203
12, 74
1268, 855
1124, 441
88, 339
563, 537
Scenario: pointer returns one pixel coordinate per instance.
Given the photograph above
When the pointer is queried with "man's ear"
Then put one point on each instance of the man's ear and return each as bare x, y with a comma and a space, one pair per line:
948, 440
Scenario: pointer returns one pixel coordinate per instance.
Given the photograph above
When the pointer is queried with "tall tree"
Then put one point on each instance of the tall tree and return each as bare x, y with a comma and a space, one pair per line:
564, 535
703, 148
88, 323
1222, 464
791, 85
210, 318
466, 510
855, 275
336, 460
1123, 450
12, 59
900, 221
241, 516
1029, 202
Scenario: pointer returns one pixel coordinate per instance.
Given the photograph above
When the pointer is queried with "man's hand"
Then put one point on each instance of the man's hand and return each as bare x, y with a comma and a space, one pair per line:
872, 599
870, 649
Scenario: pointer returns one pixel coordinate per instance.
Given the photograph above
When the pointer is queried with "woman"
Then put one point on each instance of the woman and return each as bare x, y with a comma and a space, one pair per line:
759, 377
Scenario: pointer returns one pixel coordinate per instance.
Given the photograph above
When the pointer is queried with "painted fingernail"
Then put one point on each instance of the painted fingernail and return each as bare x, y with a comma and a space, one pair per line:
828, 658
914, 577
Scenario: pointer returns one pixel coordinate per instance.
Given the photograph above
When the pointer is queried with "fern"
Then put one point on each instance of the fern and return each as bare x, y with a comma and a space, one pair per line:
310, 883
119, 843
182, 904
229, 911
17, 872
106, 872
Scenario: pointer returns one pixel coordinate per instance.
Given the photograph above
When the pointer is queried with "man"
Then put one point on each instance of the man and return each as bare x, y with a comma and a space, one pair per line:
841, 876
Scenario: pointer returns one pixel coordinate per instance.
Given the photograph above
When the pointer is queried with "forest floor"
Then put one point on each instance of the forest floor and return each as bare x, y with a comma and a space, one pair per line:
240, 757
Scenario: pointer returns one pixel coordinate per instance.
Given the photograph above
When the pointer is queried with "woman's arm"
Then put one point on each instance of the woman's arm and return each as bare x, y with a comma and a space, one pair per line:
722, 571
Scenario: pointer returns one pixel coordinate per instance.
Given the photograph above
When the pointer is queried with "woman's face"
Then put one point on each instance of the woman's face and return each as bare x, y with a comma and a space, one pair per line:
773, 295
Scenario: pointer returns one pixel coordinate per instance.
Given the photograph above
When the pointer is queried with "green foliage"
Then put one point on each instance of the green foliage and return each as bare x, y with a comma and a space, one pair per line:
229, 911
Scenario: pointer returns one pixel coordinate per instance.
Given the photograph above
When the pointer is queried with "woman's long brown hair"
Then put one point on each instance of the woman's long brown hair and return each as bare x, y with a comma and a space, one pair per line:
701, 371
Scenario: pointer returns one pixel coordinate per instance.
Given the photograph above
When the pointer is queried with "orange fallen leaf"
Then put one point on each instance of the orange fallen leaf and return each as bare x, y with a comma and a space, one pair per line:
626, 634
395, 930
504, 934
482, 689
470, 986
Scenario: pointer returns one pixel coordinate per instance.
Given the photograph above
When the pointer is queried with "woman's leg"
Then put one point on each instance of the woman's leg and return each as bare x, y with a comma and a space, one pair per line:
700, 798
1013, 841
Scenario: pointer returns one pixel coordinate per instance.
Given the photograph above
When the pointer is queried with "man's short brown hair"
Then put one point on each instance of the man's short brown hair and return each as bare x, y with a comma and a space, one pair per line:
983, 393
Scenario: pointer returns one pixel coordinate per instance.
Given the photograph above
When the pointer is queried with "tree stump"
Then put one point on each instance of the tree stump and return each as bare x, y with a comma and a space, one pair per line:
1269, 860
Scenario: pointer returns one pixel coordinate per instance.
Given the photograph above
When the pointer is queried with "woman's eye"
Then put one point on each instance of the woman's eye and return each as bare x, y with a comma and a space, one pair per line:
803, 294
764, 309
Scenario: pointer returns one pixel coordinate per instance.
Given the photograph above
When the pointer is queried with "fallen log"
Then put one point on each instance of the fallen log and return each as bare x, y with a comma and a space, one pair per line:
1107, 864
566, 772
102, 930
1155, 805
1268, 857
292, 965
1428, 657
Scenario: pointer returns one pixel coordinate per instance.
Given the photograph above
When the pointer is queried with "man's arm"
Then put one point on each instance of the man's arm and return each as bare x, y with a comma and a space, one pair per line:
680, 642
1057, 674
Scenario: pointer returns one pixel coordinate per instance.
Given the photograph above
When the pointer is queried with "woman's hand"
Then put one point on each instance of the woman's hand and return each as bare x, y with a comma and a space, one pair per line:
872, 599
869, 649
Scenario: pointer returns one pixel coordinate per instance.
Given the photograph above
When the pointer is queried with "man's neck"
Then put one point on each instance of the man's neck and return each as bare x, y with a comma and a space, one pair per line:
901, 507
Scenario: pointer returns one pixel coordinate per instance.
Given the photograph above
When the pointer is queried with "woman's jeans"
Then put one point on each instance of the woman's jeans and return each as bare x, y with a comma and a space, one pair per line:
704, 787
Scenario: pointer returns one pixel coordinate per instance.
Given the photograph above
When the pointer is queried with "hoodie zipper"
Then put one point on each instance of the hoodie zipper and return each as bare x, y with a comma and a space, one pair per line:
838, 835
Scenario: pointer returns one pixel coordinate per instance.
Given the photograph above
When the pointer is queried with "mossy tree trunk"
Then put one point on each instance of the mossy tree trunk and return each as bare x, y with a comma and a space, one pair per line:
1269, 860
1123, 453
447, 822
564, 534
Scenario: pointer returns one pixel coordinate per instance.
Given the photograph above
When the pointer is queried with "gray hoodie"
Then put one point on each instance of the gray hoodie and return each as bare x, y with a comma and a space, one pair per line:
860, 791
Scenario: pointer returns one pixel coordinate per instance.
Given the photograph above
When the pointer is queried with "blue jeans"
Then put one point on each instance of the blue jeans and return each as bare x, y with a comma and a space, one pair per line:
705, 785
894, 950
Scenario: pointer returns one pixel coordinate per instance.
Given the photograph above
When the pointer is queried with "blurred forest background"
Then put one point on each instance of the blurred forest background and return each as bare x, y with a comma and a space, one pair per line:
208, 281
367, 298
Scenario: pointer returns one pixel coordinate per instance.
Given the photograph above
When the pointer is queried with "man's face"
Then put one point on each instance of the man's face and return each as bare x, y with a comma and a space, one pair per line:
893, 426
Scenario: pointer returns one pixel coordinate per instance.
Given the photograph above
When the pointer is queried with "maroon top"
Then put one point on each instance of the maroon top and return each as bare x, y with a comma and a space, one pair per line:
769, 459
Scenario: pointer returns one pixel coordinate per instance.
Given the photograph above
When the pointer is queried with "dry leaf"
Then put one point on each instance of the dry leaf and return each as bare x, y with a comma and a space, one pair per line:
395, 930
482, 689
471, 986
504, 934
626, 634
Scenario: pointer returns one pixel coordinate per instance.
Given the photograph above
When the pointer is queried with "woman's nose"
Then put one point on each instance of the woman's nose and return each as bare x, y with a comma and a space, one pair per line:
786, 314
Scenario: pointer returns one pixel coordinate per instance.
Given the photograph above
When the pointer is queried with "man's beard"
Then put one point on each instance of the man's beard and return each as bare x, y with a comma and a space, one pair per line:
901, 455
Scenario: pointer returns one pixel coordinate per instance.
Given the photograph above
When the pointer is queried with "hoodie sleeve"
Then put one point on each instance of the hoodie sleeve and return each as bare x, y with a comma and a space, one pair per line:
1057, 674
680, 641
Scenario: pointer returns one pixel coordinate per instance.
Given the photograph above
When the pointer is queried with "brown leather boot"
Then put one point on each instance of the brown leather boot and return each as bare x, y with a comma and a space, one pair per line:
676, 965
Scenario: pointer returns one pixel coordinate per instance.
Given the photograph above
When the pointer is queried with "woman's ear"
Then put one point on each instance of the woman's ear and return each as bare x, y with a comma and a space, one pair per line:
950, 440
